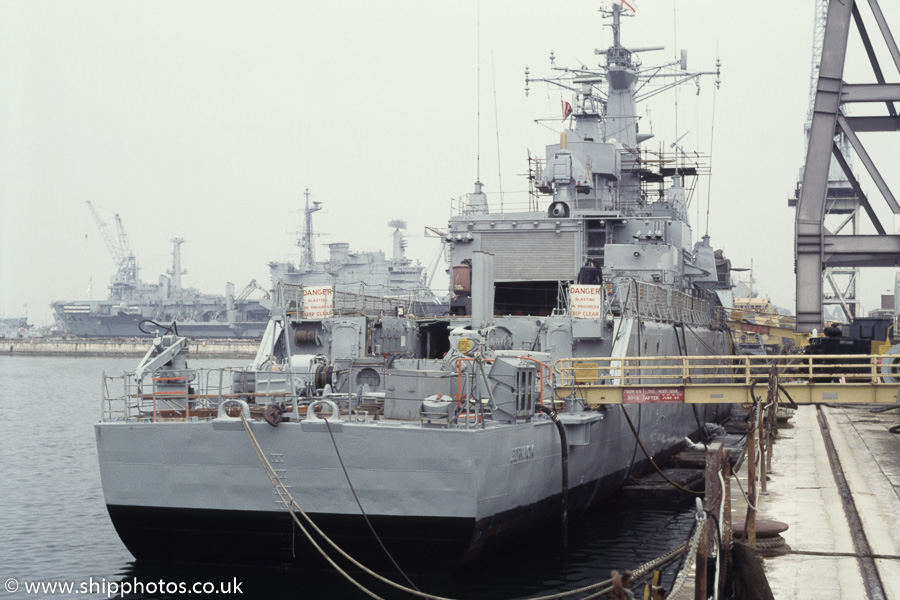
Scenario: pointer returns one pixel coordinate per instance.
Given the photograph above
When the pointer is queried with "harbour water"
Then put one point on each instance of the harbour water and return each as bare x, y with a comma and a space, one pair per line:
55, 526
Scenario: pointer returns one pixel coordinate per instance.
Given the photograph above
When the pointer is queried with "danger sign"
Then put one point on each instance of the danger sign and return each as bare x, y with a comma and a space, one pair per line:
586, 301
318, 302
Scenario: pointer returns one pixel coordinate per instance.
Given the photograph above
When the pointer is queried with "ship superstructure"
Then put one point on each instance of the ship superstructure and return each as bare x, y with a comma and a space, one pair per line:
616, 213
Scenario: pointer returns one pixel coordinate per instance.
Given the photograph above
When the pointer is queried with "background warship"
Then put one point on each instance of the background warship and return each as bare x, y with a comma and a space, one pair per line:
361, 281
451, 435
131, 300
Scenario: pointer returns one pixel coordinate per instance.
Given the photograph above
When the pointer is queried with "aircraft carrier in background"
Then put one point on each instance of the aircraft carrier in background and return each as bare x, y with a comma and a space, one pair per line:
131, 300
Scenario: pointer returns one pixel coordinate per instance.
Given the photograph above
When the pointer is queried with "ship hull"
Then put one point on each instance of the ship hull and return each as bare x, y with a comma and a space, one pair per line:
422, 544
425, 502
126, 325
439, 497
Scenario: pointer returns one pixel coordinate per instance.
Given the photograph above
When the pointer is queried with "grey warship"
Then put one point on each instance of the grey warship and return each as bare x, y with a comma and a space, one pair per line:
131, 300
442, 425
361, 278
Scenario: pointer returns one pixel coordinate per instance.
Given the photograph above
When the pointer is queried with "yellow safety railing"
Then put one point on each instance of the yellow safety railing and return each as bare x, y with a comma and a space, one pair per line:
870, 378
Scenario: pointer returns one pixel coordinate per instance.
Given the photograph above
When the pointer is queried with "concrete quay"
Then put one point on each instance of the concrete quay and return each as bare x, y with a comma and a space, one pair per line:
803, 492
210, 348
821, 556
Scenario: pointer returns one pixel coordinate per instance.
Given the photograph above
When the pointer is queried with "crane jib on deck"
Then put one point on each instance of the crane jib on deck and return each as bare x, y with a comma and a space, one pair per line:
813, 379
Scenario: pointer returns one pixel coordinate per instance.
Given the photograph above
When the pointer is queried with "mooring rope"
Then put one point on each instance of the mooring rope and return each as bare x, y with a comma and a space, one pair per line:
291, 504
740, 487
365, 516
281, 490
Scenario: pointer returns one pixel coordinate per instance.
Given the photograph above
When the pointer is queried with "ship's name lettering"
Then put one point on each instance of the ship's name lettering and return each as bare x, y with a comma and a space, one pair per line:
521, 453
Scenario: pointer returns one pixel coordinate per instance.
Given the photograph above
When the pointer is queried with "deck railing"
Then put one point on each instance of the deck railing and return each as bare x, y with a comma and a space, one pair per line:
190, 394
350, 299
650, 301
711, 379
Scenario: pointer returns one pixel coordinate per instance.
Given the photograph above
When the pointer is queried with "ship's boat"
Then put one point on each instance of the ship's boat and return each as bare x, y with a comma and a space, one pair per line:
451, 435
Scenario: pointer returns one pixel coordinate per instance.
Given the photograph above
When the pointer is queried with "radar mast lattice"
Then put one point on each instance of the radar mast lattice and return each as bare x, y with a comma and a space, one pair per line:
307, 248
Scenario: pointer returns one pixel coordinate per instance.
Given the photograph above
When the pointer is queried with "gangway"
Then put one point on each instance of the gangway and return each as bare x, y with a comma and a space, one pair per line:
807, 379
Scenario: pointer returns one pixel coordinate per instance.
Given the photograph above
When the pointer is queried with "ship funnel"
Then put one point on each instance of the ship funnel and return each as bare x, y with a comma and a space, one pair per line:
563, 141
339, 254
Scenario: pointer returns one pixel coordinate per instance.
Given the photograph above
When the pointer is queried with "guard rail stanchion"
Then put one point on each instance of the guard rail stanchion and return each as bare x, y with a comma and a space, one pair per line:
750, 525
713, 499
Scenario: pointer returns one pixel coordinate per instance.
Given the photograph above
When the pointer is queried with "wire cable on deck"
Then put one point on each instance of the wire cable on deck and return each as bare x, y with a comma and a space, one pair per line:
650, 458
743, 493
281, 490
790, 403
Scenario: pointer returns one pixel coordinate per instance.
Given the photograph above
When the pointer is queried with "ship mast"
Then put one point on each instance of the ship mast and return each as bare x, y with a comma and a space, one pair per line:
308, 251
176, 271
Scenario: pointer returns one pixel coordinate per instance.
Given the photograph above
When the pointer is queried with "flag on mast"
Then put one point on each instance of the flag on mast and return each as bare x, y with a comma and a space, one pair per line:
566, 108
630, 5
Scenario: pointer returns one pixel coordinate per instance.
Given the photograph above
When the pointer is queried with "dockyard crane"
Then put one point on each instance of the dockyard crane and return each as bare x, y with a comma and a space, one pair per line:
841, 199
815, 246
126, 265
250, 288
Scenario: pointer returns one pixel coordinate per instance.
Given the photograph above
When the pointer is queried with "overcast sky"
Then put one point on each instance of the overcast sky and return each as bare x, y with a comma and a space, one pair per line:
207, 120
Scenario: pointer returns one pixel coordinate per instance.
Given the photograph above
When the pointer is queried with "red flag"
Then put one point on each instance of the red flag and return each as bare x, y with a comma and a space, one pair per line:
566, 108
624, 3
